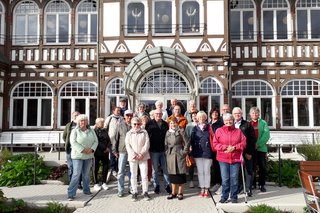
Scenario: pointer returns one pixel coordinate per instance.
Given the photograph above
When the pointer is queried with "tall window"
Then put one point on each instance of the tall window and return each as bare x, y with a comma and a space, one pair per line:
242, 20
57, 21
114, 92
210, 94
87, 21
275, 20
308, 16
254, 93
300, 100
26, 23
31, 106
163, 17
2, 12
78, 96
136, 18
190, 16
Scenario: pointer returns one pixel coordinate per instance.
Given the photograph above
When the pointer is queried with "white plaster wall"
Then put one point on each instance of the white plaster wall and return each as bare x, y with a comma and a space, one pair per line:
215, 17
111, 19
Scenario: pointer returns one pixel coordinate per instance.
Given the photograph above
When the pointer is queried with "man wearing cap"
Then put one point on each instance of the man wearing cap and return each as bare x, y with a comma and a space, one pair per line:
123, 106
120, 151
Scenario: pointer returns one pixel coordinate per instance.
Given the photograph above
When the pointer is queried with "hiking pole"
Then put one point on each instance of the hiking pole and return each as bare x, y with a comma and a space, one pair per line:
243, 180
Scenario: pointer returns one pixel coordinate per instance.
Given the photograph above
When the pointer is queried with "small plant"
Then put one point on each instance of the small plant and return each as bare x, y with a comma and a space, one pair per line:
289, 176
264, 209
19, 170
310, 152
12, 205
58, 172
55, 207
5, 154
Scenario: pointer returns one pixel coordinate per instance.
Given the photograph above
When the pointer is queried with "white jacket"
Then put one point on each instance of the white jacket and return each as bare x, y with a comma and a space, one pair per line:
137, 142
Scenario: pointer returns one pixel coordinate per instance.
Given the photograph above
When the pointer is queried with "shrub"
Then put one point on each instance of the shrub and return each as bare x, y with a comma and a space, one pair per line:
19, 170
55, 207
310, 152
289, 176
264, 209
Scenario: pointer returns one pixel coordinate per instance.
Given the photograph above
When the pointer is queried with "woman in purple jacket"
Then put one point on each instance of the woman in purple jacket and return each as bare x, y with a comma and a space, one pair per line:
229, 143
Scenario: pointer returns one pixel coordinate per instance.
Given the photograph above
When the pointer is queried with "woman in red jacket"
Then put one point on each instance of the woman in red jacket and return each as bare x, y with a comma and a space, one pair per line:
229, 143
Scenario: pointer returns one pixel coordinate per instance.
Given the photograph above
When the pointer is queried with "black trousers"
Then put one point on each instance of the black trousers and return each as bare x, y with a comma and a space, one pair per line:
104, 160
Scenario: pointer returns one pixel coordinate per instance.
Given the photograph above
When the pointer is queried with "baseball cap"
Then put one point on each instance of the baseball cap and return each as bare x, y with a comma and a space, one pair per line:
128, 111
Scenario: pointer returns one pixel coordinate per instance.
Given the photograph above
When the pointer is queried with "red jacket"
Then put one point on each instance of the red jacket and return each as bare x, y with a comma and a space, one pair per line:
225, 136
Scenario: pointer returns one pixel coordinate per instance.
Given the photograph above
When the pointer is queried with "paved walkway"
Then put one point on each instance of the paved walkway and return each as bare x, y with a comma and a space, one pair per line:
107, 201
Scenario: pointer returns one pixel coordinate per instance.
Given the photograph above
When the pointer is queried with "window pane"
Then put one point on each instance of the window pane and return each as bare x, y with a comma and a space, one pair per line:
236, 102
17, 112
94, 29
20, 29
51, 28
190, 17
93, 111
135, 18
80, 106
162, 17
63, 28
268, 25
32, 112
266, 111
204, 103
65, 111
215, 102
248, 25
82, 28
316, 111
287, 111
32, 28
46, 112
302, 22
250, 102
282, 28
235, 25
315, 28
303, 112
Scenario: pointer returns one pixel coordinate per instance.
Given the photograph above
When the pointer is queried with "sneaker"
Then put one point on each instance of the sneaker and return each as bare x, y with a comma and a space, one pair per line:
250, 193
206, 194
105, 186
96, 187
215, 188
114, 173
222, 200
120, 194
134, 197
168, 189
70, 198
201, 194
219, 191
87, 193
157, 189
191, 184
234, 201
80, 187
263, 189
146, 196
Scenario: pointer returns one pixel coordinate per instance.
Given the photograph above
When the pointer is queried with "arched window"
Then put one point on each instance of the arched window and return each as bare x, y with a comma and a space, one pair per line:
254, 93
163, 16
243, 20
136, 18
275, 20
57, 22
31, 104
78, 96
87, 21
26, 23
2, 24
190, 17
210, 94
114, 92
300, 101
308, 16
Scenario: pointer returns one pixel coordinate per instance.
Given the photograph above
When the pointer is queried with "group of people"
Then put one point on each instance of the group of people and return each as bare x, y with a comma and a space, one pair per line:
171, 142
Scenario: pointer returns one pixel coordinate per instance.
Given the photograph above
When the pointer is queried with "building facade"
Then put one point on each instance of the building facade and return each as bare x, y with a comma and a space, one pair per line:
58, 56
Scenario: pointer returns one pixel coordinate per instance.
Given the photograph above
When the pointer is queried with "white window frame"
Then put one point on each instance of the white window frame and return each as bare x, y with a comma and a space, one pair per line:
89, 14
201, 18
295, 98
173, 15
258, 98
114, 89
274, 9
2, 23
25, 101
46, 13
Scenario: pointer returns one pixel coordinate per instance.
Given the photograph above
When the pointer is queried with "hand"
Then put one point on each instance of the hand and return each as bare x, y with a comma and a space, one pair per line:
248, 157
230, 149
116, 154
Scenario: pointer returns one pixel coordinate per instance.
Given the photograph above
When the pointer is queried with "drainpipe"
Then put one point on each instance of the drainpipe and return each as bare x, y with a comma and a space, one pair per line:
97, 56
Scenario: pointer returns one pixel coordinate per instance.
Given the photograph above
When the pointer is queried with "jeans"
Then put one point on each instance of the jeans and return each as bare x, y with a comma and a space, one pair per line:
203, 167
156, 158
80, 167
229, 175
122, 162
143, 166
69, 163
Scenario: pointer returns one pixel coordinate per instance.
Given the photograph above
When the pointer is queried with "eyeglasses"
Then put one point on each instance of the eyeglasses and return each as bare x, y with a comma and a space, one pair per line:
136, 124
129, 115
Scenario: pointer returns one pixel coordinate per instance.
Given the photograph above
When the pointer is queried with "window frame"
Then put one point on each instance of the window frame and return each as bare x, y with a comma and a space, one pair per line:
173, 17
145, 17
114, 91
2, 23
201, 18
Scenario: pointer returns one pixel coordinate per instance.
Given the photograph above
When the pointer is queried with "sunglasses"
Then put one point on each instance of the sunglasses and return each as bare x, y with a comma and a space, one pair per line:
136, 124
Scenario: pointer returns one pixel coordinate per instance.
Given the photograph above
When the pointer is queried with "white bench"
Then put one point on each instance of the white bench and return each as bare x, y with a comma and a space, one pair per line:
291, 139
37, 138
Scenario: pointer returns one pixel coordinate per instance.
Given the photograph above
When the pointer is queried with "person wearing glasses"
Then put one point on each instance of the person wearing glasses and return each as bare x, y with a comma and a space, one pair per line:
137, 145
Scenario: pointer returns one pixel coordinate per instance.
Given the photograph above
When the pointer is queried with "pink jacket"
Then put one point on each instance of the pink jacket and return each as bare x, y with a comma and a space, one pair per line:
225, 136
137, 142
